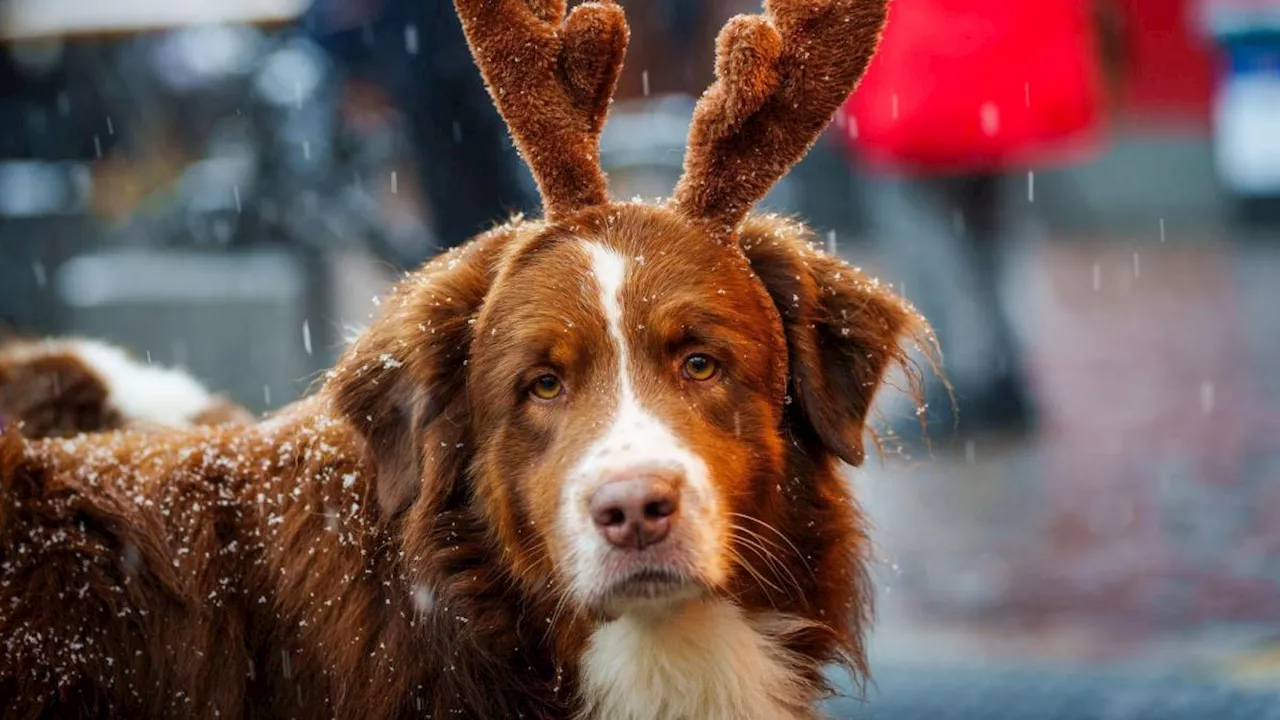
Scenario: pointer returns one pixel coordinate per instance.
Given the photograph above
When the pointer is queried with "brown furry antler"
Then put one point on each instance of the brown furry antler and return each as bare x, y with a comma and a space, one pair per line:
552, 79
780, 77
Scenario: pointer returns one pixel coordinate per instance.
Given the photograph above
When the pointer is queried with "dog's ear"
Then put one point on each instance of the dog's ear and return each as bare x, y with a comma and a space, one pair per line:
843, 329
404, 379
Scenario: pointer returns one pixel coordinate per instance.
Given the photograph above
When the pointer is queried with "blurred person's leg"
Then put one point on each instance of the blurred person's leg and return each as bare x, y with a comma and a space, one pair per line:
1003, 402
468, 171
941, 238
979, 201
471, 174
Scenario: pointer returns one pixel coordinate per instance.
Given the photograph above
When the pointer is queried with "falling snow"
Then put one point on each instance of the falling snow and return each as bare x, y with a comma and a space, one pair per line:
1207, 390
411, 39
989, 115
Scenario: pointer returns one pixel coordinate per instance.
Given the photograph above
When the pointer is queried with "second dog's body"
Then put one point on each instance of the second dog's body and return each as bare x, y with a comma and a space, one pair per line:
54, 388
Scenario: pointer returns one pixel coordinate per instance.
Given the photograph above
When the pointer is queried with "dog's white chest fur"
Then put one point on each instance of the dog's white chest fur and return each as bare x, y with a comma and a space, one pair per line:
707, 661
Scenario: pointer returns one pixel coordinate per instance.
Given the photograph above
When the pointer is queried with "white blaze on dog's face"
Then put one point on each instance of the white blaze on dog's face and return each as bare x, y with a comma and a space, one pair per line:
642, 454
632, 395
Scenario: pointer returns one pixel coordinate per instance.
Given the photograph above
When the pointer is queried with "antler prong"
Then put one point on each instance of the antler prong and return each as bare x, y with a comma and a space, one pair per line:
747, 52
780, 77
552, 78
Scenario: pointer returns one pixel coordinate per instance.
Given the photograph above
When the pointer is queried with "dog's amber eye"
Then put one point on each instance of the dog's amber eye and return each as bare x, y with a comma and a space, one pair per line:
699, 367
547, 387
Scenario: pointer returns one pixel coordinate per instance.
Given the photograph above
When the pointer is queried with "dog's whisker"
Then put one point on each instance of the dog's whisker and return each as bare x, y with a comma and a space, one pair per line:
766, 551
754, 572
776, 566
800, 556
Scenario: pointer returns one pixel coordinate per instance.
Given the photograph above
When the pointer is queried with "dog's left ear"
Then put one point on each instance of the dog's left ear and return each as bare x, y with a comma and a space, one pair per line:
402, 384
843, 329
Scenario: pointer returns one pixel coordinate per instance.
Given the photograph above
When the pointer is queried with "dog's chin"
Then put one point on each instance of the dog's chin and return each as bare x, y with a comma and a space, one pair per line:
646, 592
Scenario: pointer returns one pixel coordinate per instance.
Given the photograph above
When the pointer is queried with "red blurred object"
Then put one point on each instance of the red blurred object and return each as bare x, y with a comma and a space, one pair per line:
978, 85
1170, 63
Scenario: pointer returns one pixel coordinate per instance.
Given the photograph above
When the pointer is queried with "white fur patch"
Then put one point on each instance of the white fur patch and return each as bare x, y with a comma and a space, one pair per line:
635, 441
703, 661
141, 392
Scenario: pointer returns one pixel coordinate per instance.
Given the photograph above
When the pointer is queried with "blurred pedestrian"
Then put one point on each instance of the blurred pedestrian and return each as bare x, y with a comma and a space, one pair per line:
963, 96
468, 171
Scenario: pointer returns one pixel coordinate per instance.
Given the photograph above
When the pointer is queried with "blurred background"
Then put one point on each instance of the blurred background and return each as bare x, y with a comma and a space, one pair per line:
1083, 197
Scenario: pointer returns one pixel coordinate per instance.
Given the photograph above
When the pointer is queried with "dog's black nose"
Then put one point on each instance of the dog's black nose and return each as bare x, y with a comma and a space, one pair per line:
635, 512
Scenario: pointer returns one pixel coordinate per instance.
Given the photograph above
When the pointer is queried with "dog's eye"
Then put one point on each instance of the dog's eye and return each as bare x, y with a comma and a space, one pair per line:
547, 387
699, 367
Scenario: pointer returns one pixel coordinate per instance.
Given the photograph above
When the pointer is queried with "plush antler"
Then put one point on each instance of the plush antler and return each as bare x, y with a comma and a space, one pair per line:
780, 77
552, 79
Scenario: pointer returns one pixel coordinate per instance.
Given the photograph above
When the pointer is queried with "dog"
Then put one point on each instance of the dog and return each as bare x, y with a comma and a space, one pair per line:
586, 466
60, 388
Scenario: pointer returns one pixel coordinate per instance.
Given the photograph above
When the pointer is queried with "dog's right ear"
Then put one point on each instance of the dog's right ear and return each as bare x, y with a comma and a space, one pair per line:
402, 384
844, 331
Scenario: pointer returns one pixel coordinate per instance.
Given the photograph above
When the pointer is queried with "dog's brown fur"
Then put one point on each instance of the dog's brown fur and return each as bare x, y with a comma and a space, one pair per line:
54, 396
384, 549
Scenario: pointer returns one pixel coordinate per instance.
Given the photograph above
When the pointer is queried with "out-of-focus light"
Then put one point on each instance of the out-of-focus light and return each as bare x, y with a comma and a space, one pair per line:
192, 57
31, 189
25, 19
291, 75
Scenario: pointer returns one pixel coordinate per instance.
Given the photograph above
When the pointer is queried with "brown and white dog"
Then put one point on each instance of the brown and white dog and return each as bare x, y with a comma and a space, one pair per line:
587, 466
59, 388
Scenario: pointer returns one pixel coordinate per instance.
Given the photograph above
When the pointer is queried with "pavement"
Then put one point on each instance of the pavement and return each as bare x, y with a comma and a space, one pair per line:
1124, 561
1021, 693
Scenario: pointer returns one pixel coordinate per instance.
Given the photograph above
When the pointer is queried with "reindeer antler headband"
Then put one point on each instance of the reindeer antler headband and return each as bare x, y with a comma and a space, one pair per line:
780, 77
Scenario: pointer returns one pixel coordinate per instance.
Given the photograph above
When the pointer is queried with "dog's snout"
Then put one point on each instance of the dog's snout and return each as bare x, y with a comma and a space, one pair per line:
635, 512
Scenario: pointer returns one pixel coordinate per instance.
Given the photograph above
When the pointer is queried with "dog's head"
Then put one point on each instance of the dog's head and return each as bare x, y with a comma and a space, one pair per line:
643, 403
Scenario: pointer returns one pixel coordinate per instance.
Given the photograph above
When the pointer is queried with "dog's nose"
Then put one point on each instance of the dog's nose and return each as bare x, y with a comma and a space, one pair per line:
635, 512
